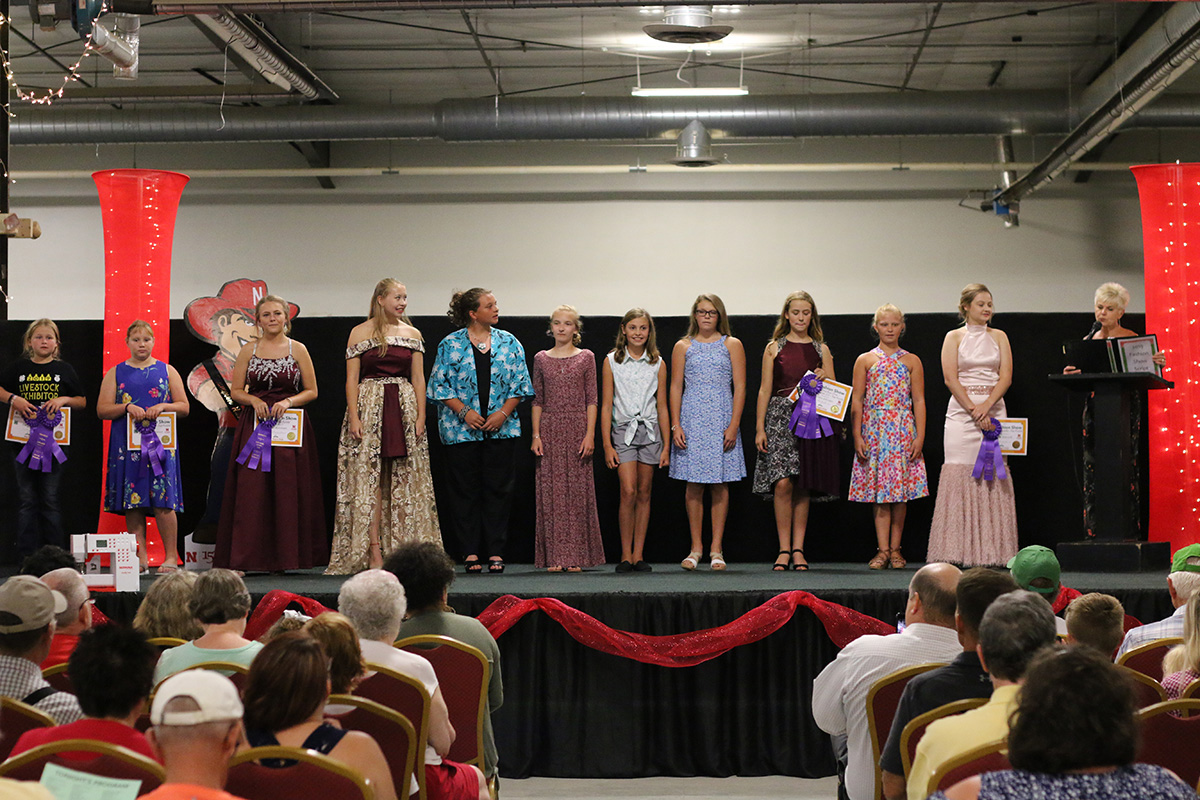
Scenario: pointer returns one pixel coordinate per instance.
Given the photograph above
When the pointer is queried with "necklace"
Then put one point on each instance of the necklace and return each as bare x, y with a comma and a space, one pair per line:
484, 345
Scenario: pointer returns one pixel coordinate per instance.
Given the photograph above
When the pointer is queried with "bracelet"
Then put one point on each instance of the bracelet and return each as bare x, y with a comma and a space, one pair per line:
674, 427
505, 413
537, 437
462, 412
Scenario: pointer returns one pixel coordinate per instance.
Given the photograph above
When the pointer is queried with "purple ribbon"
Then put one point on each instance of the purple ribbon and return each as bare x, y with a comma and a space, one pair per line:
41, 451
152, 446
257, 452
989, 464
806, 422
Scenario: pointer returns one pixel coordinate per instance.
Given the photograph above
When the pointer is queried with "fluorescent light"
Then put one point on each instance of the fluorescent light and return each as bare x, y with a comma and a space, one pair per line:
692, 91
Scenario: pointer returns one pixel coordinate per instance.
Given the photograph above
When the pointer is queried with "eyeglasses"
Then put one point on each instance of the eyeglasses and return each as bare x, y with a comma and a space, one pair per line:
710, 312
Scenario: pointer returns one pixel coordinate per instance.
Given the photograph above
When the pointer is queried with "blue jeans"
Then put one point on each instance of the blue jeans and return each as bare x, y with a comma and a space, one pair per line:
39, 520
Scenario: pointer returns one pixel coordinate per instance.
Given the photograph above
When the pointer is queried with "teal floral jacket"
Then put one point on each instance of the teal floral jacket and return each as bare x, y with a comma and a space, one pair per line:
454, 377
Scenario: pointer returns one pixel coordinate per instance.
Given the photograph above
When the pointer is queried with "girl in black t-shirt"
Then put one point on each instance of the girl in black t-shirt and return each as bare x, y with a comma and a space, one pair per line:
39, 379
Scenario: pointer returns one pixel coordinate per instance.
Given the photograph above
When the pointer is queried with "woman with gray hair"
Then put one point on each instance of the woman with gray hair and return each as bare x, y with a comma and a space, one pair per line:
220, 603
1110, 302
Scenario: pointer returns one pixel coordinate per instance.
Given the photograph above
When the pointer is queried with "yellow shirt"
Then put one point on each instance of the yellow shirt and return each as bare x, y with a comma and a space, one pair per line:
952, 736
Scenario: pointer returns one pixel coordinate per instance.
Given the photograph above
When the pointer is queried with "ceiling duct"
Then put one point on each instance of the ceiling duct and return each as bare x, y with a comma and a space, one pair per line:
694, 148
688, 25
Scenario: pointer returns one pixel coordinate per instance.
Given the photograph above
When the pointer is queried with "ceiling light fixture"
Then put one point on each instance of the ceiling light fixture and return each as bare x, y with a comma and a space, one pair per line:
691, 91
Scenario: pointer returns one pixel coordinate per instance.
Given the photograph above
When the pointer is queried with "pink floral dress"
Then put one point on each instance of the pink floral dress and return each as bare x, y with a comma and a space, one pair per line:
888, 427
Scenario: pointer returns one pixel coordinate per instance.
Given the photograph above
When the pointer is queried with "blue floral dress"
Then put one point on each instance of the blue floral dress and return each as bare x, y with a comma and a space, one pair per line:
704, 414
130, 482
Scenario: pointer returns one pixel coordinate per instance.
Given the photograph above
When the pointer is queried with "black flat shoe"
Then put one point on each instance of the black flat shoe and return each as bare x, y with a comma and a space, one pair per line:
625, 566
496, 566
785, 565
643, 566
800, 567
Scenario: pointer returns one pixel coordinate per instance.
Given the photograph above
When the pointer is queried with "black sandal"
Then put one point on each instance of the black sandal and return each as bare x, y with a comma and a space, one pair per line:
474, 566
785, 565
800, 567
496, 566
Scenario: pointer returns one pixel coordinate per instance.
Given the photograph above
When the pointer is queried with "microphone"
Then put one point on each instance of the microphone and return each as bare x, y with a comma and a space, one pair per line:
1095, 328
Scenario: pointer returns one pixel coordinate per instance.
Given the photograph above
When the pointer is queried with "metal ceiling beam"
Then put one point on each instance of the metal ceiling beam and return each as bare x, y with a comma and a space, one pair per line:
933, 15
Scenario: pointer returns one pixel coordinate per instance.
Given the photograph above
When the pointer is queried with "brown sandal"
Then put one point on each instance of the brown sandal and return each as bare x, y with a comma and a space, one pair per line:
896, 561
880, 561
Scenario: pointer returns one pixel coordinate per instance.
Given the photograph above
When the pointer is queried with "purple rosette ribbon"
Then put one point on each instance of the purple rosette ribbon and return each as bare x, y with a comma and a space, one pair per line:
257, 452
152, 446
806, 422
989, 464
41, 451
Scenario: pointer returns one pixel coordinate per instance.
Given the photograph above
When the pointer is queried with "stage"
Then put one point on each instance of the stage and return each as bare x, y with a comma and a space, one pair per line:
571, 711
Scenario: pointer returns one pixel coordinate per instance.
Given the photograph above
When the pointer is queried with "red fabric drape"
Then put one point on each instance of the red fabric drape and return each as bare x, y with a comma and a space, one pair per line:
843, 625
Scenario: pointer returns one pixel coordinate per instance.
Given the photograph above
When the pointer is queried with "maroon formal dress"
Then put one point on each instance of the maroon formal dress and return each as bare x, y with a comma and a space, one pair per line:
273, 520
568, 530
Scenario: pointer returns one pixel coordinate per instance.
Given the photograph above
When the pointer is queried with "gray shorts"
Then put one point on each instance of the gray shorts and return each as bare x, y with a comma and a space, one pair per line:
641, 450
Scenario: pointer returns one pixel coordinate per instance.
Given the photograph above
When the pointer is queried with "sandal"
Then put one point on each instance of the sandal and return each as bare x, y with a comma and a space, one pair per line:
800, 567
574, 569
166, 569
880, 561
692, 561
897, 561
474, 565
784, 566
717, 561
496, 566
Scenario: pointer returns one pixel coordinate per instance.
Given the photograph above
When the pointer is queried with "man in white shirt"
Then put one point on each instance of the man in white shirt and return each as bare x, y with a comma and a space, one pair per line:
1182, 582
840, 691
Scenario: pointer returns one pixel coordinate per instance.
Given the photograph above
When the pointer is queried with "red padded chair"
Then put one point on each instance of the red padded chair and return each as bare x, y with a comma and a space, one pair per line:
1170, 741
1148, 658
463, 674
408, 697
992, 757
111, 761
312, 776
394, 734
57, 677
910, 737
235, 672
882, 701
16, 718
1148, 690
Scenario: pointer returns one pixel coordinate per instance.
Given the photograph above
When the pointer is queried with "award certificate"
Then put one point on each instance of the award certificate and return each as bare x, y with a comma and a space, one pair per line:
1137, 354
164, 426
17, 429
1014, 436
833, 401
289, 429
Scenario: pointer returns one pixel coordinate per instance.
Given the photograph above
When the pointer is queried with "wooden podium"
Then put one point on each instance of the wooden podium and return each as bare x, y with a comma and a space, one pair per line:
1114, 547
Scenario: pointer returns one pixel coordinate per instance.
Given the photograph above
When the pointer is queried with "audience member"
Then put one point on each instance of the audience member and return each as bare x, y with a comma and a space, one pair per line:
220, 603
75, 620
290, 620
111, 672
339, 639
840, 691
1075, 735
962, 678
28, 608
1036, 569
47, 558
1014, 628
1182, 582
285, 705
374, 601
1182, 663
197, 718
1096, 620
426, 572
166, 610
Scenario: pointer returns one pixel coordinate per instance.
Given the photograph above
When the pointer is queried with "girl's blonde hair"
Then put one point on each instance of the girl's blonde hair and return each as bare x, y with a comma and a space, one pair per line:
1186, 655
139, 325
1112, 293
886, 308
27, 342
782, 326
969, 293
378, 317
577, 339
722, 318
651, 341
287, 310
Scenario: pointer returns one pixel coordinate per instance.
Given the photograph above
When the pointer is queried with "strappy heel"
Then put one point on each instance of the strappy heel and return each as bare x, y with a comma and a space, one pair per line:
785, 565
800, 567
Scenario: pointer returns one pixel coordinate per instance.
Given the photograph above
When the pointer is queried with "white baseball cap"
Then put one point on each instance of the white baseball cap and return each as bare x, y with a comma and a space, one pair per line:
215, 695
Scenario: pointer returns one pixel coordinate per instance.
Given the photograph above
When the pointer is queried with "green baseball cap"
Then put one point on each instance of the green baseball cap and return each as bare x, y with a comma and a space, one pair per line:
1186, 559
1035, 562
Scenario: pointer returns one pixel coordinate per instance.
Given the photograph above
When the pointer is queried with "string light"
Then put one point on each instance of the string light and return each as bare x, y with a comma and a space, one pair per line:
50, 94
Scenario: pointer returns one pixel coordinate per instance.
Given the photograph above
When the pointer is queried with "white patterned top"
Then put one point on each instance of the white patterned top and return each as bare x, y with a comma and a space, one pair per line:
635, 393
